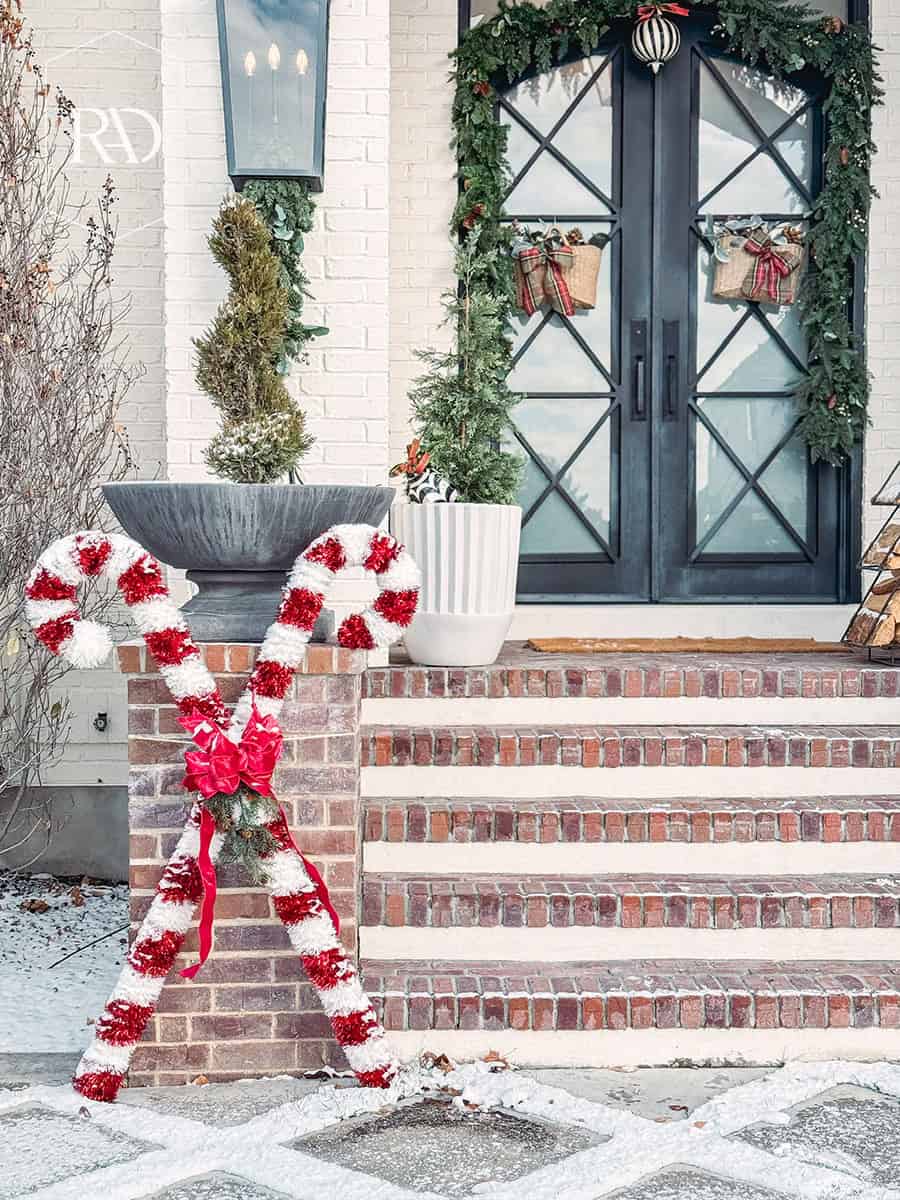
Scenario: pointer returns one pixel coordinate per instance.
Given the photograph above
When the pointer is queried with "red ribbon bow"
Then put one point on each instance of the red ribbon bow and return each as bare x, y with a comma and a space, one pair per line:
221, 767
771, 267
646, 11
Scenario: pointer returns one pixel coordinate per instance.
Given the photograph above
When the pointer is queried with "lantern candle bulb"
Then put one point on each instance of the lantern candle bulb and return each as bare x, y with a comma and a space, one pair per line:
250, 71
302, 64
274, 57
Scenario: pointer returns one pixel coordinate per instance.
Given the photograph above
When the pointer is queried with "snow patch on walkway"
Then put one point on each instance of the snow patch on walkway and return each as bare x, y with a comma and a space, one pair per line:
44, 1009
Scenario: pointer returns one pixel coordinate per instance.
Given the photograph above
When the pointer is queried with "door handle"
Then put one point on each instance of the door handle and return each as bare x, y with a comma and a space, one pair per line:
639, 370
671, 349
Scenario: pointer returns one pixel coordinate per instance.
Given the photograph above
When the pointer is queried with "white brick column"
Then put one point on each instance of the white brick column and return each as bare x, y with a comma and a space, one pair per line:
423, 182
344, 387
883, 299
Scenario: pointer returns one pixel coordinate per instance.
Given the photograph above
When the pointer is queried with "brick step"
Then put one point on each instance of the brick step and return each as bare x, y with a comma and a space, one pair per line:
626, 995
591, 819
633, 902
520, 672
633, 746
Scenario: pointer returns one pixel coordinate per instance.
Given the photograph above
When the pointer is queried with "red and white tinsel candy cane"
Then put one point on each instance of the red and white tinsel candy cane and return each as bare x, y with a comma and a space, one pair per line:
52, 610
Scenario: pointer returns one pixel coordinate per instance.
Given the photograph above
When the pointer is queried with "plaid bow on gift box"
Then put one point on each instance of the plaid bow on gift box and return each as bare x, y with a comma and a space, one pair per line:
770, 277
541, 276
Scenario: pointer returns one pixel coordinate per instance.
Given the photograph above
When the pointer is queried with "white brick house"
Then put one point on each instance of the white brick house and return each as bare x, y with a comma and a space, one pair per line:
379, 260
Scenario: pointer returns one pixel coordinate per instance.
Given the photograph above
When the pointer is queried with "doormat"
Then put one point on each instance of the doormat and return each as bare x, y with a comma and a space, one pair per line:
685, 645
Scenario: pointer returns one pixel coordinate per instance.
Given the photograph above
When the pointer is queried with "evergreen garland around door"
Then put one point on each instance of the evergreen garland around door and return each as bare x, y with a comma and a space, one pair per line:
782, 38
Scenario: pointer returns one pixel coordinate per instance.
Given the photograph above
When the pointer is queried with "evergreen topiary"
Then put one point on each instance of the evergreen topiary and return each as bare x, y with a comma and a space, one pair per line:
263, 434
461, 407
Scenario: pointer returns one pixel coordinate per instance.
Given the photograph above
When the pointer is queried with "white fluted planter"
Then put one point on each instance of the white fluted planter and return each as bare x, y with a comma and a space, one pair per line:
469, 557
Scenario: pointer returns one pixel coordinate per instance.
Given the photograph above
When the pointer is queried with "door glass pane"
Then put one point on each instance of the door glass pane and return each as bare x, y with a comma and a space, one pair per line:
548, 188
555, 529
795, 147
727, 139
751, 529
786, 482
752, 361
770, 101
555, 428
533, 480
542, 101
554, 362
752, 427
587, 481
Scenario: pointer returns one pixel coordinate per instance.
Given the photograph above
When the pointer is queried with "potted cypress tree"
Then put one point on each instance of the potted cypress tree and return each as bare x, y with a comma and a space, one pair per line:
468, 550
237, 539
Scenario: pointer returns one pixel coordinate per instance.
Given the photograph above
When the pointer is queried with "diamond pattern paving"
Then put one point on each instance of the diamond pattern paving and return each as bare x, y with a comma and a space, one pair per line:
225, 1104
692, 1185
39, 1147
846, 1129
444, 1149
642, 1135
217, 1187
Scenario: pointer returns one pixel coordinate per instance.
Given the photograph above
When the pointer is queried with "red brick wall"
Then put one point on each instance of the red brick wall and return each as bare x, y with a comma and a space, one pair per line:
250, 1011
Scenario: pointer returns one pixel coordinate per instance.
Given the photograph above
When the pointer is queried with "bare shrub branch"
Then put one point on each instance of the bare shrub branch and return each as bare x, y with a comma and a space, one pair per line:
62, 378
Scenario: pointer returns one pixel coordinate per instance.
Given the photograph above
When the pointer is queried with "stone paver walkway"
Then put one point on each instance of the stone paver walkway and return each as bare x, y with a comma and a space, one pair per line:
825, 1131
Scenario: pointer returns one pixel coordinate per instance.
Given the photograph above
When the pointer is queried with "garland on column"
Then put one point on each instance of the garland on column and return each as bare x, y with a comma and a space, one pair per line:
236, 758
780, 37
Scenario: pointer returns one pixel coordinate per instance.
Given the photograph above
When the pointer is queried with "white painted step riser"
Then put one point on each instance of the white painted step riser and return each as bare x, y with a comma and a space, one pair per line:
824, 622
652, 1047
440, 712
551, 859
638, 783
595, 944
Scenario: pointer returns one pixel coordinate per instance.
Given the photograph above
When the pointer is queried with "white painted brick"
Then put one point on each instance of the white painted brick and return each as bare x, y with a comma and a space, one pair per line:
347, 249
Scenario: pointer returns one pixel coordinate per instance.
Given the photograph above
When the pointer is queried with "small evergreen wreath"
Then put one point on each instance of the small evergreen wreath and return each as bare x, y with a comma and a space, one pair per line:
785, 38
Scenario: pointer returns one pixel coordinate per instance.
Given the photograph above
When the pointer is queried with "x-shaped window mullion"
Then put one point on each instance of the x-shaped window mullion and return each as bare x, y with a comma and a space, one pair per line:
766, 141
554, 479
545, 320
546, 142
725, 343
751, 482
763, 319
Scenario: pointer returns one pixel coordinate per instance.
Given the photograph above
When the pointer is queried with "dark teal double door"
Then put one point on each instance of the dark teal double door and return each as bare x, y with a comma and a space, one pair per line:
663, 461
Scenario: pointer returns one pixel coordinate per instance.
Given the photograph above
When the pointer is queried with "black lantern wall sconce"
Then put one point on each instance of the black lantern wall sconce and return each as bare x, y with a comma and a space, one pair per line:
274, 56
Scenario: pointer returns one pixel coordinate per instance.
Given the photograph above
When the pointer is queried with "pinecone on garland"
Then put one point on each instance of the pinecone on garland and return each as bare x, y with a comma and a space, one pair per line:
476, 211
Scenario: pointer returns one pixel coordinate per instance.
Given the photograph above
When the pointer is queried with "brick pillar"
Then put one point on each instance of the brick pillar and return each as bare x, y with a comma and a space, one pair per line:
250, 1010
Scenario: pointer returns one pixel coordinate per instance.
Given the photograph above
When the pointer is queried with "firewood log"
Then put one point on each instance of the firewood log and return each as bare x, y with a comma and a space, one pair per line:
884, 551
875, 624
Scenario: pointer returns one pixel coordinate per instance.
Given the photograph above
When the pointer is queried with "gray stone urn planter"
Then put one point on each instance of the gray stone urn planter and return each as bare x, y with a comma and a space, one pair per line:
237, 541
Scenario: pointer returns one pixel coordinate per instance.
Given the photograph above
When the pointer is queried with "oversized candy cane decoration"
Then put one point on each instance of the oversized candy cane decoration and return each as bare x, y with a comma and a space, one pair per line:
298, 899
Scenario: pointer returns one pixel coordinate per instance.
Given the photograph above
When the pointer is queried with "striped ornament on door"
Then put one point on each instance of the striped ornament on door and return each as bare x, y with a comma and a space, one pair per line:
656, 40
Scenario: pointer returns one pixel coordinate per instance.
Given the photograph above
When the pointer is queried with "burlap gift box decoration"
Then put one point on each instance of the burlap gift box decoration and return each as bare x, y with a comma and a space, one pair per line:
557, 269
753, 265
582, 280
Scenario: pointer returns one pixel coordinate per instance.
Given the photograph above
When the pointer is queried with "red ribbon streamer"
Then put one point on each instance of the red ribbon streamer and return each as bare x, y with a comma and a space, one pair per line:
208, 909
770, 268
646, 11
221, 767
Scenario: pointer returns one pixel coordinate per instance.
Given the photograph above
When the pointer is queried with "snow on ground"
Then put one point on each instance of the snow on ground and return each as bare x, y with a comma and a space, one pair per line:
44, 1009
57, 1146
